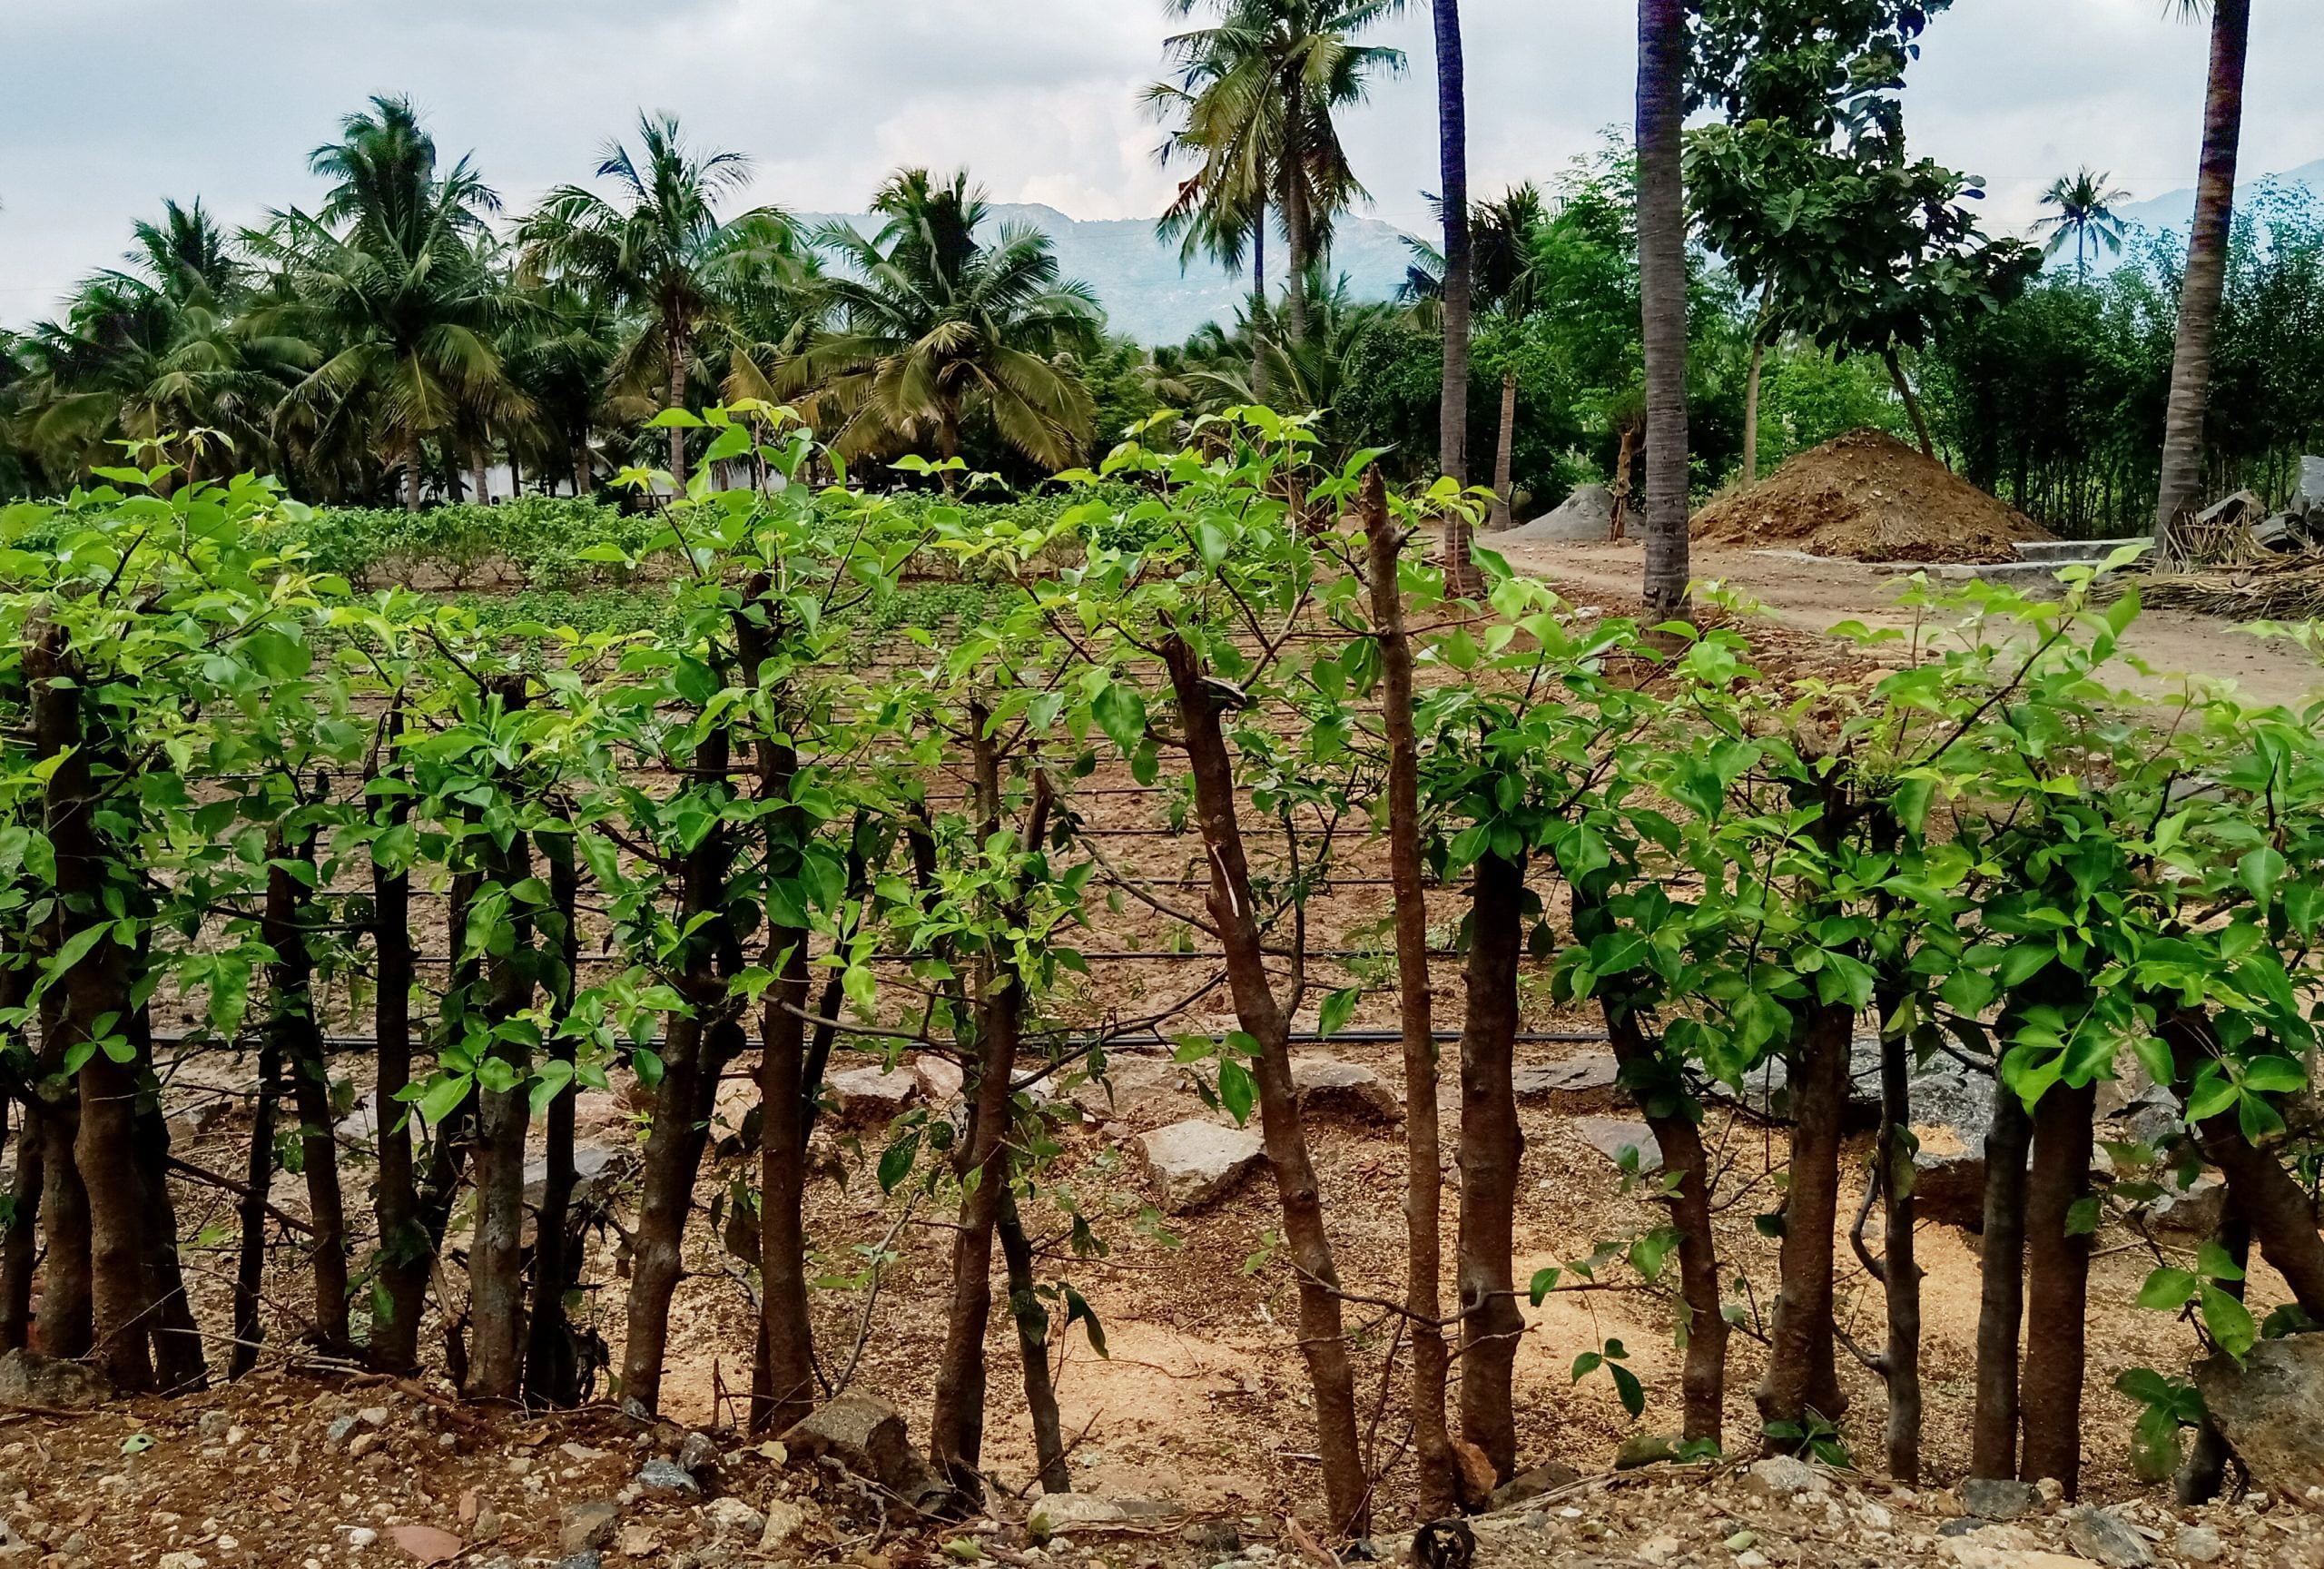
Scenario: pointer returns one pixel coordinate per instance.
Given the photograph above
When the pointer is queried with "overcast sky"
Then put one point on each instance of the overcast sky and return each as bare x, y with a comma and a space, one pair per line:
106, 106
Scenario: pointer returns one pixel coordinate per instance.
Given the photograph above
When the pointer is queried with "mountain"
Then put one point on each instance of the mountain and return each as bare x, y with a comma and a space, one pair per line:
2174, 210
1138, 278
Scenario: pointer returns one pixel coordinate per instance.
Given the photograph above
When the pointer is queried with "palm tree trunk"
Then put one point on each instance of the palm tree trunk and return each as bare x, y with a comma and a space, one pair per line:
1751, 414
1503, 493
411, 472
674, 332
1259, 304
1662, 295
1295, 220
1453, 404
1912, 403
2206, 274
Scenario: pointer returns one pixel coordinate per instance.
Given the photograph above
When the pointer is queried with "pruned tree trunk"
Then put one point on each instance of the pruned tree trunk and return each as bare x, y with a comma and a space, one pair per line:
20, 1242
1505, 494
405, 1250
258, 1175
290, 916
1662, 295
2204, 279
1439, 1476
1900, 1270
2057, 1285
1033, 1349
552, 1362
496, 1251
1911, 400
1492, 1144
1232, 910
2001, 1287
1801, 1375
179, 1363
784, 1382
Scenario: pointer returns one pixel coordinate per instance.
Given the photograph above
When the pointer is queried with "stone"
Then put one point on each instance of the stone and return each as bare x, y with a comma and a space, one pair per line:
732, 1517
866, 1097
667, 1476
2266, 1409
587, 1558
1609, 1136
1575, 1076
32, 1381
1948, 1177
2200, 1543
213, 1424
1055, 1514
372, 1416
1971, 1553
1527, 1485
427, 1544
1999, 1498
2106, 1536
587, 1526
939, 1079
786, 1523
1643, 1449
336, 1433
1328, 1086
862, 1433
1782, 1477
2309, 500
1212, 1537
593, 1165
698, 1453
2195, 1210
1139, 1088
1195, 1163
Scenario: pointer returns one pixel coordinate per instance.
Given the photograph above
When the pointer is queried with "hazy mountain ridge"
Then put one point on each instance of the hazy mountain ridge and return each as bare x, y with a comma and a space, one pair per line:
1145, 293
2174, 210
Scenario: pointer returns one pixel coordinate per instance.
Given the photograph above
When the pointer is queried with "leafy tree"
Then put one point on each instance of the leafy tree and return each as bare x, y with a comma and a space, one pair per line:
2085, 214
659, 248
938, 327
389, 280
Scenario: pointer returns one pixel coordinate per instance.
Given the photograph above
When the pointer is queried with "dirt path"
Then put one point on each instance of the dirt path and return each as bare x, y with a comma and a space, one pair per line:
1814, 595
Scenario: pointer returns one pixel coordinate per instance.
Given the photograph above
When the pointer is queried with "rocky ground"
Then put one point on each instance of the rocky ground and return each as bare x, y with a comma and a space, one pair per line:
282, 1470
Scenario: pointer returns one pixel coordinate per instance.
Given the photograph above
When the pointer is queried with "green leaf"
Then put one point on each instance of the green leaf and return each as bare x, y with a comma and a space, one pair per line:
1632, 1392
442, 1097
895, 1161
1544, 1282
1337, 1008
1120, 712
2168, 1288
2212, 1262
1236, 1089
2230, 1322
2259, 871
2082, 1216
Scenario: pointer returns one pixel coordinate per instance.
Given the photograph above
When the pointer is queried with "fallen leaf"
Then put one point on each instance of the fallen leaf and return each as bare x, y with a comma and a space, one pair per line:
427, 1544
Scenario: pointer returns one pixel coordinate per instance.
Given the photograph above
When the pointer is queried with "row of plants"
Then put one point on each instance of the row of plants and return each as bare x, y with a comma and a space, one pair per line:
237, 793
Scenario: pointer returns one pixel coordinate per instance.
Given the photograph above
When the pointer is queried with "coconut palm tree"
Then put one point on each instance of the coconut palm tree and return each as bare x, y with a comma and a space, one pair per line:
658, 247
153, 350
1662, 295
390, 278
1452, 400
937, 327
2085, 214
2206, 273
1257, 92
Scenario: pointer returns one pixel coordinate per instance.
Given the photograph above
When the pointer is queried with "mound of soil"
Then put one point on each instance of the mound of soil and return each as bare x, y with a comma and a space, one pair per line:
1867, 496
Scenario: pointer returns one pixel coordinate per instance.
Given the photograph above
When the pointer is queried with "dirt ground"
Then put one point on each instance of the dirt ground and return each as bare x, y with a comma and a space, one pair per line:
1808, 596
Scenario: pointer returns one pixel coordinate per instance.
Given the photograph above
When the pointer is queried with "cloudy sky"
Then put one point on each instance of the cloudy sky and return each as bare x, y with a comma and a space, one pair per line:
108, 105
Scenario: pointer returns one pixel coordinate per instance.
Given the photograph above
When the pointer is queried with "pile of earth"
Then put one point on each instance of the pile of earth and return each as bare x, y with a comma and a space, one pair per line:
1867, 496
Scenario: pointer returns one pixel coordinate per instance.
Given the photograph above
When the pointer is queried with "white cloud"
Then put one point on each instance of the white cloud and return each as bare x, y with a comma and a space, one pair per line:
108, 105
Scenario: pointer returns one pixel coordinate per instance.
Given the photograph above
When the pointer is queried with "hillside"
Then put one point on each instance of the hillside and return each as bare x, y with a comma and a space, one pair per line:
1139, 279
2174, 210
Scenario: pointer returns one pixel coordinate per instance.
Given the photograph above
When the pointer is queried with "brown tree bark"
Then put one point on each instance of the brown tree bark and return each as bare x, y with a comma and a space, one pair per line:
1900, 1270
288, 917
1439, 1478
2266, 1196
405, 1250
1491, 1146
1751, 414
179, 1363
19, 1244
1504, 454
552, 1360
674, 331
1801, 1377
411, 472
2205, 277
496, 1251
2057, 1286
258, 1175
1662, 295
1261, 1014
1033, 1349
783, 1384
2002, 1289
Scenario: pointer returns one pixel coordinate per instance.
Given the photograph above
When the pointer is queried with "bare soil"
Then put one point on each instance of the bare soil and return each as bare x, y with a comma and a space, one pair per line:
1867, 496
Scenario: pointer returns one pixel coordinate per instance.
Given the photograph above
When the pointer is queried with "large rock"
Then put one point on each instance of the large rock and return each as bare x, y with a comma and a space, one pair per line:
1610, 1136
1528, 1486
862, 1433
1140, 1089
1195, 1163
2195, 1210
1575, 1076
1586, 513
2267, 1410
2106, 1536
32, 1381
1328, 1086
1948, 1177
1999, 1498
1090, 1513
868, 1097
